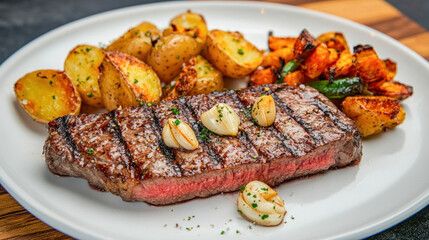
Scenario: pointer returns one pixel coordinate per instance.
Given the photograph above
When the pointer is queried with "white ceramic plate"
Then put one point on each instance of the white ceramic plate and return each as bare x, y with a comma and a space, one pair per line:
389, 185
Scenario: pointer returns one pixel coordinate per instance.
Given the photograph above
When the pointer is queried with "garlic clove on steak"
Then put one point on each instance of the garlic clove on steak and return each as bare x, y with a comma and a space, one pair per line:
221, 119
178, 134
259, 203
264, 111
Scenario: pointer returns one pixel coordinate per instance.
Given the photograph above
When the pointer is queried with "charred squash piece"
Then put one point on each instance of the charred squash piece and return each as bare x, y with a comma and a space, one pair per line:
273, 58
276, 43
304, 46
390, 68
369, 66
393, 89
344, 66
317, 62
295, 78
334, 40
373, 114
264, 76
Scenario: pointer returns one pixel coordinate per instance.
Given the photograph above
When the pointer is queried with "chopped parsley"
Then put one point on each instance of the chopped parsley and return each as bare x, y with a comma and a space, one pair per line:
91, 151
135, 32
174, 109
149, 104
90, 95
264, 189
177, 122
254, 205
51, 83
88, 49
240, 51
136, 81
54, 97
264, 216
178, 57
88, 77
222, 233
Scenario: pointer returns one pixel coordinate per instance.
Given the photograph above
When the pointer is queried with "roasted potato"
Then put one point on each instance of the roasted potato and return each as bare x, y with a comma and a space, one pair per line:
393, 89
146, 28
197, 77
126, 81
273, 58
169, 53
369, 67
373, 114
317, 62
233, 55
191, 24
276, 43
263, 76
47, 94
209, 78
82, 66
334, 40
137, 41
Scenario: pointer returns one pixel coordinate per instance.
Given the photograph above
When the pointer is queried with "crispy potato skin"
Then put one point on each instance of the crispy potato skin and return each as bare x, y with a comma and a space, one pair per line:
209, 78
197, 77
231, 54
335, 40
47, 94
373, 114
126, 81
276, 43
82, 66
273, 58
137, 41
169, 53
393, 89
191, 24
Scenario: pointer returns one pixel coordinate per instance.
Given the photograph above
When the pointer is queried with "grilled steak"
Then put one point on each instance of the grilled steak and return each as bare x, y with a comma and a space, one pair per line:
122, 151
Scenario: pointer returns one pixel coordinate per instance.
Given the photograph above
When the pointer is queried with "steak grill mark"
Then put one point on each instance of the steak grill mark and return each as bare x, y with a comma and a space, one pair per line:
294, 146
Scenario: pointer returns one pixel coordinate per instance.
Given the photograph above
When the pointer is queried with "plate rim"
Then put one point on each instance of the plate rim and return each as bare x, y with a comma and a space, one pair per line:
64, 225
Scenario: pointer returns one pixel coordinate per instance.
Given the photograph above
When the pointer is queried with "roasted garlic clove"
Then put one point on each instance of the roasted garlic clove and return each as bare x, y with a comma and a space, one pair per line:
221, 119
264, 111
259, 203
178, 134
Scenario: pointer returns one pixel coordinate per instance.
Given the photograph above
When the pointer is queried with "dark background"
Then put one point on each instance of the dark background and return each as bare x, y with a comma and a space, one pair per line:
23, 20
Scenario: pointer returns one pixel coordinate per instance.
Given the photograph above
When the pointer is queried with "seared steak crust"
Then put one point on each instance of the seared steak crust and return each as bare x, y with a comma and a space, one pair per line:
122, 151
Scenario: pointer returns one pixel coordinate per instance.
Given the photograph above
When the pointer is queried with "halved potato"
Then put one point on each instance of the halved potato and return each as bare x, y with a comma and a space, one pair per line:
148, 29
82, 66
137, 41
233, 55
169, 53
126, 81
209, 78
373, 114
47, 94
197, 77
189, 23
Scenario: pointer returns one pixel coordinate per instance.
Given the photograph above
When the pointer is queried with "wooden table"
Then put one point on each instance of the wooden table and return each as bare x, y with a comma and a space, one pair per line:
17, 223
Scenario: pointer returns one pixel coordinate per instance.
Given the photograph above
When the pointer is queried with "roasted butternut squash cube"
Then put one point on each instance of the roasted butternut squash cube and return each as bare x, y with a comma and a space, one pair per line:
369, 66
393, 89
304, 46
276, 43
263, 76
317, 62
273, 58
334, 40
